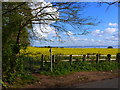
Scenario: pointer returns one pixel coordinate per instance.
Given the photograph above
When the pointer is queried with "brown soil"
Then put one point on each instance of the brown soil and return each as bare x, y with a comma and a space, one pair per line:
68, 80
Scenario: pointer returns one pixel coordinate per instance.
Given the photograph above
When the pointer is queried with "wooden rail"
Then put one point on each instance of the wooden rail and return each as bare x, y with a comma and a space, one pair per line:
84, 58
97, 57
82, 55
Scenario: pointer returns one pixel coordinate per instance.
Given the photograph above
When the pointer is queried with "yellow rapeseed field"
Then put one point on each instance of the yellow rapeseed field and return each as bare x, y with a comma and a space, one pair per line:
35, 51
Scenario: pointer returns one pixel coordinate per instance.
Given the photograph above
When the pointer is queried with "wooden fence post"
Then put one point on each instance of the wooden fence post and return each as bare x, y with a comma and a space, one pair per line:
118, 57
53, 60
42, 61
97, 58
70, 59
88, 55
31, 64
84, 57
108, 57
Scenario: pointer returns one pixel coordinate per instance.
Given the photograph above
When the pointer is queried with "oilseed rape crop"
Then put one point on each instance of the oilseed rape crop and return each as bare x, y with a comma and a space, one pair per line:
36, 51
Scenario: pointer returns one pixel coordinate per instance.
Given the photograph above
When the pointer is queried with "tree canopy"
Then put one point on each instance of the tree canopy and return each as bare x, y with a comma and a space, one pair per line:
19, 20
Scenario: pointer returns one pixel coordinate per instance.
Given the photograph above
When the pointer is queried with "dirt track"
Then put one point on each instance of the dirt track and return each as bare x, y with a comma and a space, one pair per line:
71, 79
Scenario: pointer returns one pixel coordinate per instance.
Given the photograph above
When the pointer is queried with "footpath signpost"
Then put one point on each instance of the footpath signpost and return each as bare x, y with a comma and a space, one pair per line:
51, 58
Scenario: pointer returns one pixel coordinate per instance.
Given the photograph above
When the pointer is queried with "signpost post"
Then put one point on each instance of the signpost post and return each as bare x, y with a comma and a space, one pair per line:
51, 58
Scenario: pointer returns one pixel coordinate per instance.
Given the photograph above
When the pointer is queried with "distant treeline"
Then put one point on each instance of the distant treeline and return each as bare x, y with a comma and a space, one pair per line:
48, 47
58, 47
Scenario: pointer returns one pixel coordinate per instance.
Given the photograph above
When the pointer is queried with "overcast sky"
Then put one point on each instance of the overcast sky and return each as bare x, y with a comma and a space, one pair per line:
105, 33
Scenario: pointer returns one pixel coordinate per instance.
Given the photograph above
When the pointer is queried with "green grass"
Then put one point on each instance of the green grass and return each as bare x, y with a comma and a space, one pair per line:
63, 68
22, 80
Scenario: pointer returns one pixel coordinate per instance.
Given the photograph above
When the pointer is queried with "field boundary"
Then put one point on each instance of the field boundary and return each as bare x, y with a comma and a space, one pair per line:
96, 58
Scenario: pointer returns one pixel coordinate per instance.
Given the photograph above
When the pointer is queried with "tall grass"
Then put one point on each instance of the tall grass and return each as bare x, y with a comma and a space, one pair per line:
62, 68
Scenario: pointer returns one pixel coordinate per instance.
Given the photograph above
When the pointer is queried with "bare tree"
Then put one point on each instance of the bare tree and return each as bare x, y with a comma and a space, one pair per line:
68, 13
61, 13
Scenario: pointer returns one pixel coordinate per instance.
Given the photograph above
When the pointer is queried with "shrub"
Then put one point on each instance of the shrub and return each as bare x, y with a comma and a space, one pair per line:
110, 47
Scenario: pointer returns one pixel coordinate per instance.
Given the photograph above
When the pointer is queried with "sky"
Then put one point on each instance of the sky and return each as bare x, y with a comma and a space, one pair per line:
105, 33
